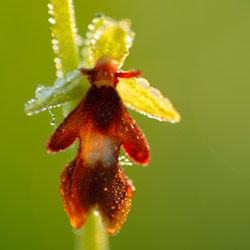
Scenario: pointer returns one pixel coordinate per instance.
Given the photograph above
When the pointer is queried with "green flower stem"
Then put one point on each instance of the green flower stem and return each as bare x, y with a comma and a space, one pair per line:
93, 236
65, 47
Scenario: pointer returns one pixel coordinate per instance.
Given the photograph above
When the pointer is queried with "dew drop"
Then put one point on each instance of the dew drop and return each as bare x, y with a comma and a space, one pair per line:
52, 20
54, 41
91, 26
79, 40
55, 48
58, 65
93, 41
96, 213
96, 36
129, 39
89, 35
124, 161
143, 82
31, 101
59, 73
50, 6
57, 60
155, 92
52, 123
39, 90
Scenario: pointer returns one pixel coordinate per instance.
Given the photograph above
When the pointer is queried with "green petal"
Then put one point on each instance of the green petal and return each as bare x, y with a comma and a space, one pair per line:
137, 94
66, 89
107, 37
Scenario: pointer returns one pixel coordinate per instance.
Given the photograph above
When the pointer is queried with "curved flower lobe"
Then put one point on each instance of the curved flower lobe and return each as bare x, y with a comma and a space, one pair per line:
84, 188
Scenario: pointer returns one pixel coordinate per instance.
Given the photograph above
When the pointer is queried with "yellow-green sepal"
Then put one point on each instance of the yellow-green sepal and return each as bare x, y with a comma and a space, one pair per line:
107, 37
137, 94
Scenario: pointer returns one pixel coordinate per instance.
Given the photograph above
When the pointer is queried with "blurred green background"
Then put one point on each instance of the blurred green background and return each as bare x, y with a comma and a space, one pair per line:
195, 194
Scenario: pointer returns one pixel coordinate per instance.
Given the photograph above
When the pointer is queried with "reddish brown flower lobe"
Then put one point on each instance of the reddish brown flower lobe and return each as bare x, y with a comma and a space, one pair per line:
94, 179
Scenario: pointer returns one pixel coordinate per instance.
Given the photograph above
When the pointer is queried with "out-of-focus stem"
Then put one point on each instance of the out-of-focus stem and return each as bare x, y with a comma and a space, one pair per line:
93, 236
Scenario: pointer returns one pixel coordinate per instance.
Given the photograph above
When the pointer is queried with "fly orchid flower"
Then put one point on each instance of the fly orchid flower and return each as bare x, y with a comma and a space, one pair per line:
102, 124
94, 179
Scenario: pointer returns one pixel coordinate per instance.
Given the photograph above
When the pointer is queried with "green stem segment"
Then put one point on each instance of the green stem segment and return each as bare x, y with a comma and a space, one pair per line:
93, 236
65, 47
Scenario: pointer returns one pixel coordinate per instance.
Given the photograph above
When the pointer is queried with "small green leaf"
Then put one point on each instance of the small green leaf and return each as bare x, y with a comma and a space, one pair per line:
137, 94
109, 38
73, 86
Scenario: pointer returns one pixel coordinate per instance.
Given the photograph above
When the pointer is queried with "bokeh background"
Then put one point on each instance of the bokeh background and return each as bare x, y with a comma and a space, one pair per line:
195, 194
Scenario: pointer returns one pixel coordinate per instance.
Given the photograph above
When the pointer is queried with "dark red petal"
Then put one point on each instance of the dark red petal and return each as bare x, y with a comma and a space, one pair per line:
114, 200
84, 187
129, 74
71, 191
134, 142
67, 132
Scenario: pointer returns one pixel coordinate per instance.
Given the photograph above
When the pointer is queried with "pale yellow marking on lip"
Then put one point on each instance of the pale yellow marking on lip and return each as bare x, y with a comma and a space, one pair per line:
99, 149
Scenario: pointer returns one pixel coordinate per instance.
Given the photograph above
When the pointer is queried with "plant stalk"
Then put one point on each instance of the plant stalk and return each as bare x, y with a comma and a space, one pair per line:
93, 236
